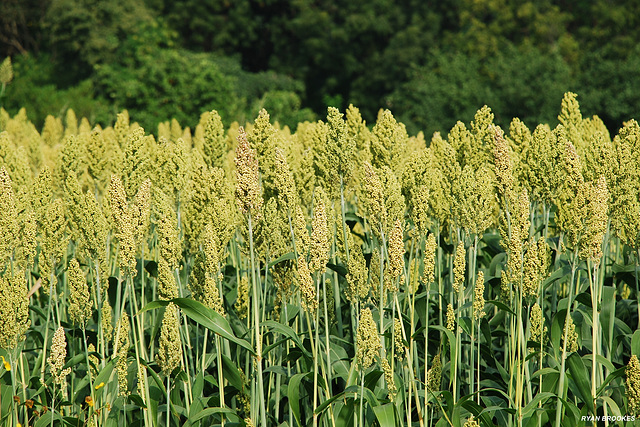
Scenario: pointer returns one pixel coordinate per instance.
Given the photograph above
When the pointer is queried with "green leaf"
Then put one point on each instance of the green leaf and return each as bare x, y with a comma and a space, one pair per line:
385, 415
578, 372
284, 257
207, 412
620, 372
294, 395
288, 332
204, 316
531, 406
635, 343
231, 373
501, 306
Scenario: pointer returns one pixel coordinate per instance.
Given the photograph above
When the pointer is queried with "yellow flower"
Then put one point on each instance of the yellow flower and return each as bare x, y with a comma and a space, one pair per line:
7, 365
89, 401
99, 386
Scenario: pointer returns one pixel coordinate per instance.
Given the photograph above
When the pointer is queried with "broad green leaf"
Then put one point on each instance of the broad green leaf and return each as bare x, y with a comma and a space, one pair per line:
293, 392
231, 373
578, 372
204, 316
289, 333
540, 398
284, 257
385, 415
207, 412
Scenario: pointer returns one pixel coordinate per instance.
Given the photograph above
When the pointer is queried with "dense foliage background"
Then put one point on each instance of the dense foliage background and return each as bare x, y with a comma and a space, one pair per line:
431, 63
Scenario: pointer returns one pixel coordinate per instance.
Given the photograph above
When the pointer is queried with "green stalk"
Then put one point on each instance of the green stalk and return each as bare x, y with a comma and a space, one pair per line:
256, 324
220, 375
561, 391
168, 403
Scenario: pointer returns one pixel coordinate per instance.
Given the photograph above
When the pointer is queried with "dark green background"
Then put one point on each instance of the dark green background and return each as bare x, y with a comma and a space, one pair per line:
430, 62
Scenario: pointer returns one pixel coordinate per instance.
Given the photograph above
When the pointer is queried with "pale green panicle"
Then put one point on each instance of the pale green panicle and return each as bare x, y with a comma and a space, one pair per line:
57, 356
388, 144
135, 166
462, 142
121, 344
478, 297
599, 158
537, 329
169, 348
482, 131
79, 309
69, 160
535, 266
358, 131
505, 179
6, 71
123, 222
625, 205
87, 222
570, 118
208, 198
169, 247
248, 193
212, 251
374, 200
25, 250
285, 184
54, 242
475, 200
14, 309
242, 303
140, 211
264, 138
400, 348
571, 196
320, 243
357, 286
596, 221
434, 375
272, 236
430, 259
301, 160
519, 141
335, 153
93, 360
301, 232
572, 336
451, 318
172, 167
538, 164
515, 235
71, 123
459, 268
52, 131
396, 251
414, 276
367, 340
632, 385
443, 179
106, 315
214, 143
15, 160
9, 225
122, 128
394, 205
307, 288
392, 389
100, 162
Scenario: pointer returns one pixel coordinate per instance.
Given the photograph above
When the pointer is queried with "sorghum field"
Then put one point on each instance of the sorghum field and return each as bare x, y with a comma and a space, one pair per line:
346, 274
